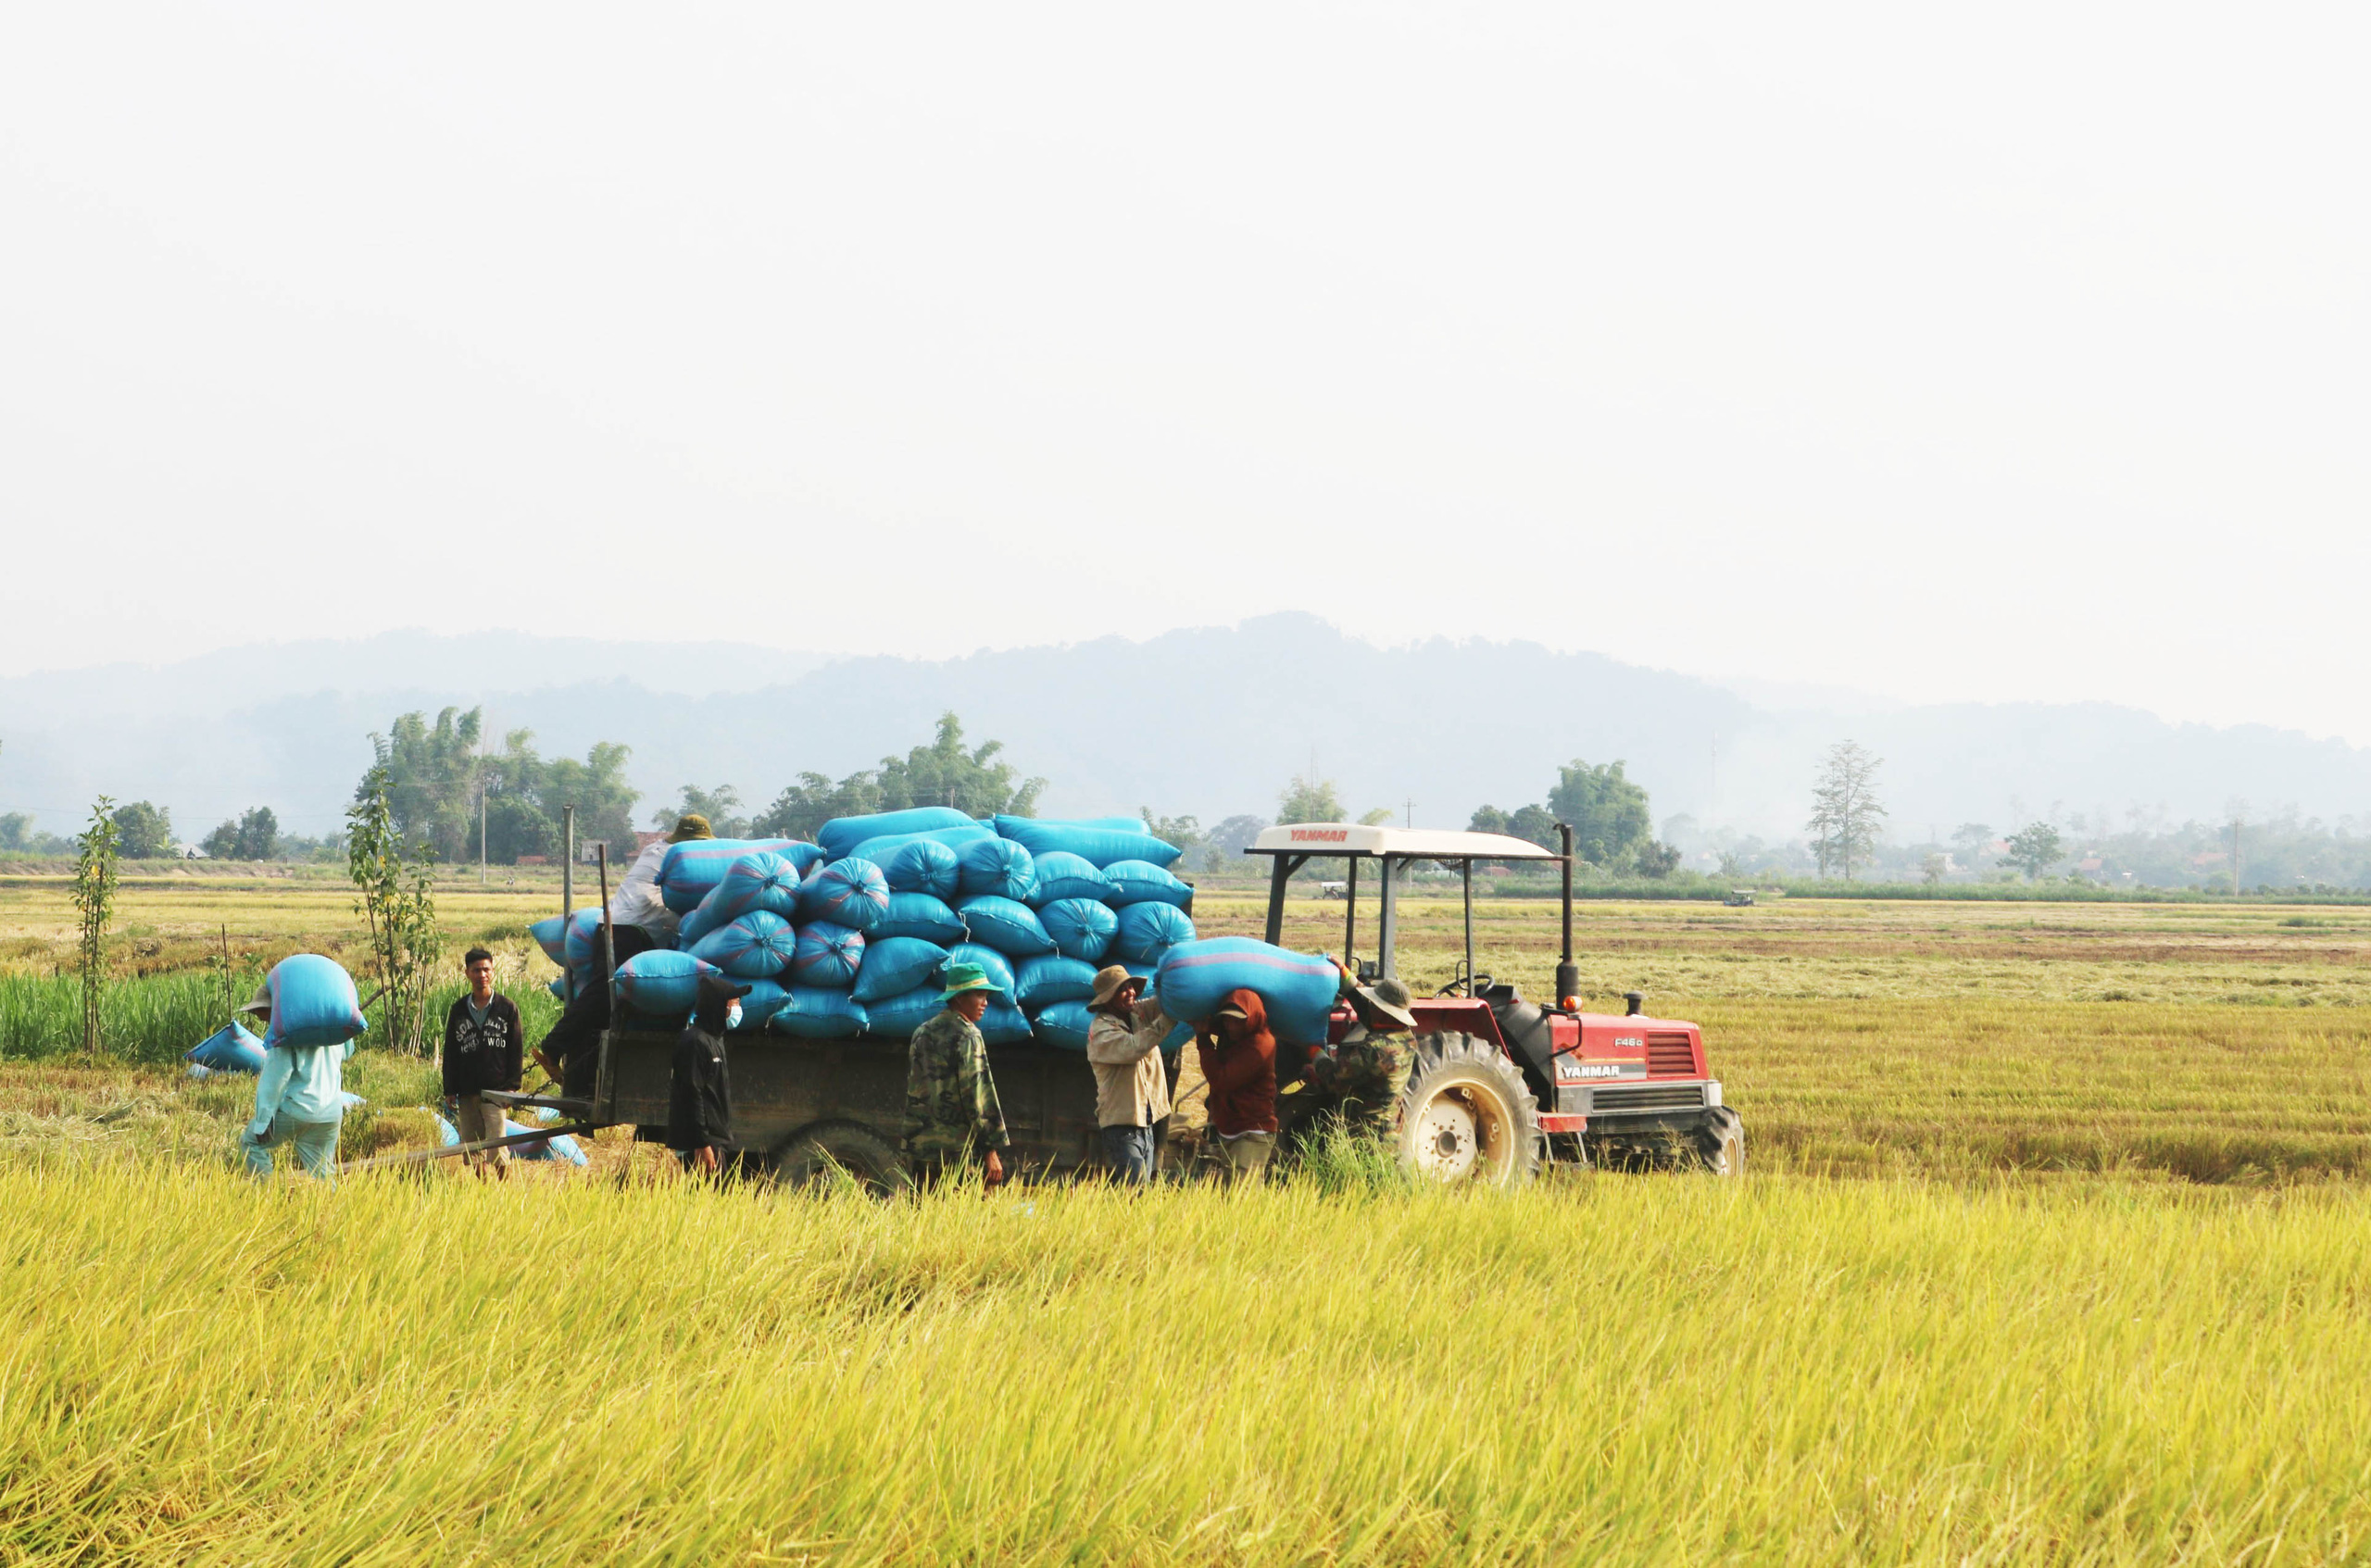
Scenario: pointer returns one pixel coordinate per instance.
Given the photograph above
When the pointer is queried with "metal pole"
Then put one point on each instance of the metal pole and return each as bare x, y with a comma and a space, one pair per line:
1466, 865
567, 891
609, 979
1568, 977
1388, 930
1350, 919
1278, 875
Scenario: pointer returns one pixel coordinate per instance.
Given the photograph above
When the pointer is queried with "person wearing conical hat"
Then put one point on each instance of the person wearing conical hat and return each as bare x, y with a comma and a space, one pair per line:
954, 1123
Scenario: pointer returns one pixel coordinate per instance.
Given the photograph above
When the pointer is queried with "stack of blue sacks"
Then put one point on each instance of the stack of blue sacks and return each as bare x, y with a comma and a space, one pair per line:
851, 936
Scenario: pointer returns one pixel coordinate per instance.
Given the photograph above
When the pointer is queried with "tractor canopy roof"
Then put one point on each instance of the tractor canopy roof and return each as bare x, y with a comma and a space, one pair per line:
1415, 843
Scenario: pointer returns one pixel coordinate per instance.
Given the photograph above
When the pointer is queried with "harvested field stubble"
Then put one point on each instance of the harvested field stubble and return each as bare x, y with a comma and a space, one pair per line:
1619, 1370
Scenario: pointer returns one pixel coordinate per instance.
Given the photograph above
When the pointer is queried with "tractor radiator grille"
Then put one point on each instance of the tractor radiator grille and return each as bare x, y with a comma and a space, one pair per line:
1657, 1097
1669, 1055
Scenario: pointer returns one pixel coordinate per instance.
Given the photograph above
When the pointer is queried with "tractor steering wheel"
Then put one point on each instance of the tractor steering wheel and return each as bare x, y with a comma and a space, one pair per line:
1463, 985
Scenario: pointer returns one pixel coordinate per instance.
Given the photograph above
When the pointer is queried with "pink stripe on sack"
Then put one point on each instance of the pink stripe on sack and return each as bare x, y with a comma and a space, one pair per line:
1293, 965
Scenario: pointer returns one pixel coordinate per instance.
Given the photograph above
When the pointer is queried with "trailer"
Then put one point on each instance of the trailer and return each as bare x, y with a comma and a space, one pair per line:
803, 1110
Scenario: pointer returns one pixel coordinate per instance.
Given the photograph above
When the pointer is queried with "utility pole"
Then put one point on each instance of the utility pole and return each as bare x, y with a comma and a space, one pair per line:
1410, 804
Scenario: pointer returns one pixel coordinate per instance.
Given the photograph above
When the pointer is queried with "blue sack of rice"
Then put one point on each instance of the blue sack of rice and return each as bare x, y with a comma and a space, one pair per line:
1097, 845
898, 1017
756, 945
661, 984
559, 988
828, 955
1081, 928
847, 892
1149, 929
700, 922
998, 868
1141, 881
1003, 1023
1299, 988
551, 936
691, 870
1049, 978
803, 857
884, 849
1064, 1025
766, 998
759, 879
232, 1048
312, 1003
1065, 875
841, 835
894, 965
1012, 929
583, 940
993, 964
924, 866
813, 1012
919, 914
561, 1146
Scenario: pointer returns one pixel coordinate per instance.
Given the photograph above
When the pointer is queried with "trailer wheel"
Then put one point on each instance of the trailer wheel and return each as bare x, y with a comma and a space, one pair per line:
824, 1154
1467, 1115
1720, 1143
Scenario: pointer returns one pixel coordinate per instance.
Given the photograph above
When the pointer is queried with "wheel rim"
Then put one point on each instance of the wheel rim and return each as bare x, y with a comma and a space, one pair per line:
1462, 1134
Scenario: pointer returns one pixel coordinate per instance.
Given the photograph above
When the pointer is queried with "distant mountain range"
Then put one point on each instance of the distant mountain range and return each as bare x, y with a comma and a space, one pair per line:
1212, 721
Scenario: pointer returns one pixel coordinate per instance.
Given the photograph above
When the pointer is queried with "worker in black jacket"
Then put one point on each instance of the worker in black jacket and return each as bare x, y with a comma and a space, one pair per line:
700, 1099
483, 1041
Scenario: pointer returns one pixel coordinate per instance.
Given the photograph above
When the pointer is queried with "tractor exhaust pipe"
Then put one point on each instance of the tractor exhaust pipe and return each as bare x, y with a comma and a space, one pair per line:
1568, 974
1635, 1003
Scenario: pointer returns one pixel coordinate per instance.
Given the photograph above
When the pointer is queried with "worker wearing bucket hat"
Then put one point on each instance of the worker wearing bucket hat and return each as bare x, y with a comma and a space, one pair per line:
1131, 1081
954, 1123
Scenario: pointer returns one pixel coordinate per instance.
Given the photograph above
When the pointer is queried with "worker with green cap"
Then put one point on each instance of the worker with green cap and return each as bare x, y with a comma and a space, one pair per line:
638, 901
954, 1123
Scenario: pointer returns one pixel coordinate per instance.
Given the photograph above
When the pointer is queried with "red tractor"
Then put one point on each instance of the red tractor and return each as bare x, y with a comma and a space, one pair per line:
1499, 1082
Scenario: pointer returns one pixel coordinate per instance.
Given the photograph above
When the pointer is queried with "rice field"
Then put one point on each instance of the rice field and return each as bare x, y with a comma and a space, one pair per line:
2055, 1249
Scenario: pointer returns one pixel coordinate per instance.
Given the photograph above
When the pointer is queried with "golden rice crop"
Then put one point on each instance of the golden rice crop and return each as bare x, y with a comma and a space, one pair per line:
1614, 1369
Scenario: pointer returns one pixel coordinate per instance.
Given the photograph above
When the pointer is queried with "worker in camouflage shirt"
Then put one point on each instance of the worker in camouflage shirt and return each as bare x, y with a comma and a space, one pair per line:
953, 1122
1364, 1077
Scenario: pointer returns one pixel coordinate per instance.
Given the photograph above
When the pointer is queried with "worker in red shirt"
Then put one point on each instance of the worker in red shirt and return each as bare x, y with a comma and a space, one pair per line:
1238, 1060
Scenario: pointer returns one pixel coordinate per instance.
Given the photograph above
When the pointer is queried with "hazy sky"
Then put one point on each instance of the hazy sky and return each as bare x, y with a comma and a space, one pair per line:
1988, 352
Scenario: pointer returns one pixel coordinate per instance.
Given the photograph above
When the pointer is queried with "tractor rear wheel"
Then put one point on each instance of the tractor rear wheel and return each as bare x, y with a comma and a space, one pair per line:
1467, 1115
832, 1151
1720, 1143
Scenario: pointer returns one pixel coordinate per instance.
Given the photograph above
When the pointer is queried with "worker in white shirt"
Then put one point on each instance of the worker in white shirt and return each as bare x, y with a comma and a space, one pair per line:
638, 901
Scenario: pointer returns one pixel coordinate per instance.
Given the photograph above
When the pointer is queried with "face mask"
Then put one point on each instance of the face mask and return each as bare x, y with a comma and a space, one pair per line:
732, 1016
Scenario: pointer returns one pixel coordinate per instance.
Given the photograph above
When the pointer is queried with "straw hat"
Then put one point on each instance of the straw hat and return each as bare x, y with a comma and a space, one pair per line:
688, 826
1108, 980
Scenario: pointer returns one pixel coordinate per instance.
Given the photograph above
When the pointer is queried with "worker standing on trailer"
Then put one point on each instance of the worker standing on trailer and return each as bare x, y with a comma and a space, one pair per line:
699, 1095
1238, 1057
954, 1121
1130, 1082
638, 901
484, 1043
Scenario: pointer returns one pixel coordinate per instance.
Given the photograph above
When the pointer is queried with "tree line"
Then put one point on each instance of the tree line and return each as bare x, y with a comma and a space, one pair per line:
448, 794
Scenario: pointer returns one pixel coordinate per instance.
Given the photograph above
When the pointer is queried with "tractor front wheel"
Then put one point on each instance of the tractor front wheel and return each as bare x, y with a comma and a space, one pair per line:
1467, 1115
